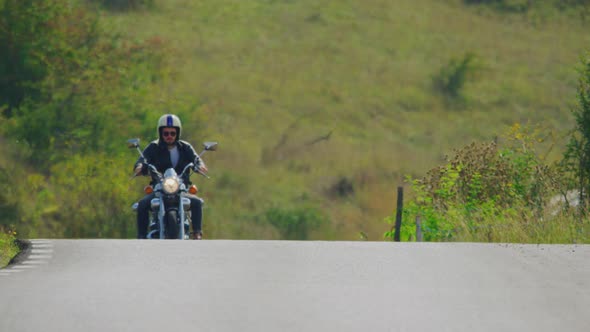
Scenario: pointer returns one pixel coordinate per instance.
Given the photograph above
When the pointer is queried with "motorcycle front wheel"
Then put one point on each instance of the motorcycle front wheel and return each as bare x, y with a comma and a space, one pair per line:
171, 224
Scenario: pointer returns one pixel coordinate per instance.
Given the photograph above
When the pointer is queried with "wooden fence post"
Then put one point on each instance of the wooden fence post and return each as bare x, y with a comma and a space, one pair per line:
398, 215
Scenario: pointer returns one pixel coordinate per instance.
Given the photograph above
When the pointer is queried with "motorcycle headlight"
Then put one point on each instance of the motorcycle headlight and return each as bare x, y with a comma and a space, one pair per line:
170, 185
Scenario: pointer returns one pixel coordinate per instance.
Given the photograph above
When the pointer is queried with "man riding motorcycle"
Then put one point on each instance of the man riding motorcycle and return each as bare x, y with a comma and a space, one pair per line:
166, 152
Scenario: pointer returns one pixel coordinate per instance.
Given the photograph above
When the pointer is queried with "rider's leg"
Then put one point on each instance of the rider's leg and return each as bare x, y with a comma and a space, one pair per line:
196, 213
143, 210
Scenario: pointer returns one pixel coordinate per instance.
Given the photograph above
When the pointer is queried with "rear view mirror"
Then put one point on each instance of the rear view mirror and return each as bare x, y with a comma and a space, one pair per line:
133, 143
210, 146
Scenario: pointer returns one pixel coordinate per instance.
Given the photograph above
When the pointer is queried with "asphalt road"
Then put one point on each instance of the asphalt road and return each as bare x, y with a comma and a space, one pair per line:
130, 285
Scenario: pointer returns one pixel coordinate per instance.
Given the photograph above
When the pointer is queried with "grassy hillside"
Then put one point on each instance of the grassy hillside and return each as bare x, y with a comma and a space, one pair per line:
321, 110
329, 105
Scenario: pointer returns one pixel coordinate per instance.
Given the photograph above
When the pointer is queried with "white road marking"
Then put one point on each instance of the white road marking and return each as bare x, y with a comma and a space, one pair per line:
34, 262
9, 271
26, 267
40, 254
42, 246
41, 251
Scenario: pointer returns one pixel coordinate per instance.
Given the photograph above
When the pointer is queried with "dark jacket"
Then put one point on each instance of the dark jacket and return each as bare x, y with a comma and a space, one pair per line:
157, 154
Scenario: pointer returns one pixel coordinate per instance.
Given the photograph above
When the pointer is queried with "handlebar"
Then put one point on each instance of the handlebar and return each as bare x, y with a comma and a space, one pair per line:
153, 171
188, 168
134, 143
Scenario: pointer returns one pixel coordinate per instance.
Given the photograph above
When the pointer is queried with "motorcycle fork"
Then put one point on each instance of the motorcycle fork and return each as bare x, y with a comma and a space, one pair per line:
181, 219
161, 213
184, 215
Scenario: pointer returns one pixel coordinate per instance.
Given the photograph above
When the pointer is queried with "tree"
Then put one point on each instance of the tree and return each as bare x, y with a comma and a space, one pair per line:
577, 156
67, 86
69, 93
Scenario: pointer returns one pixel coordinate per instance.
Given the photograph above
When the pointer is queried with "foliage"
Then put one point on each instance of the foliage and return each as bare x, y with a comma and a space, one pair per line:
101, 182
82, 89
295, 224
8, 205
8, 246
451, 78
124, 5
72, 79
525, 5
484, 193
576, 161
85, 196
504, 5
40, 38
565, 3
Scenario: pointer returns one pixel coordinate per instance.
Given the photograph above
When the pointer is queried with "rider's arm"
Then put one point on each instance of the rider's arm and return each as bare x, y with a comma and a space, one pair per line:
198, 161
140, 167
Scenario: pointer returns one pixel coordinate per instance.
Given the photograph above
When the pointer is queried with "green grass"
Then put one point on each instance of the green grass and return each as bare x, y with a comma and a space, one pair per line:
8, 247
527, 229
272, 76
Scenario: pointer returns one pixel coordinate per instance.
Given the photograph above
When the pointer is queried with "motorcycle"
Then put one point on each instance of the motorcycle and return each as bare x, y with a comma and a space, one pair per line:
170, 215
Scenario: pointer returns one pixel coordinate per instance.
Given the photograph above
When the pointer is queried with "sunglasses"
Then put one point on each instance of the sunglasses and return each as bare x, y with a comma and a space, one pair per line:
168, 133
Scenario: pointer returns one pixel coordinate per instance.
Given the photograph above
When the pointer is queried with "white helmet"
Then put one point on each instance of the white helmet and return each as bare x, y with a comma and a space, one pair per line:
169, 120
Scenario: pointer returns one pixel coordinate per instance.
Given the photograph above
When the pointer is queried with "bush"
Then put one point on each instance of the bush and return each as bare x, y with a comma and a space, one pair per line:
483, 193
38, 38
526, 6
451, 78
576, 161
8, 246
295, 224
504, 5
125, 5
72, 87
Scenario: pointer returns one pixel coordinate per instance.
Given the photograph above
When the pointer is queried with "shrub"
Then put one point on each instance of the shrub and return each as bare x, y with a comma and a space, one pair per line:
91, 198
8, 246
452, 77
343, 187
38, 38
527, 6
482, 193
124, 5
297, 223
576, 160
72, 87
504, 5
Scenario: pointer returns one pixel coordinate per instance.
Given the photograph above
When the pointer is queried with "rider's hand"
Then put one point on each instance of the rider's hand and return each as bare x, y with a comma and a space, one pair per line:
138, 169
203, 168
